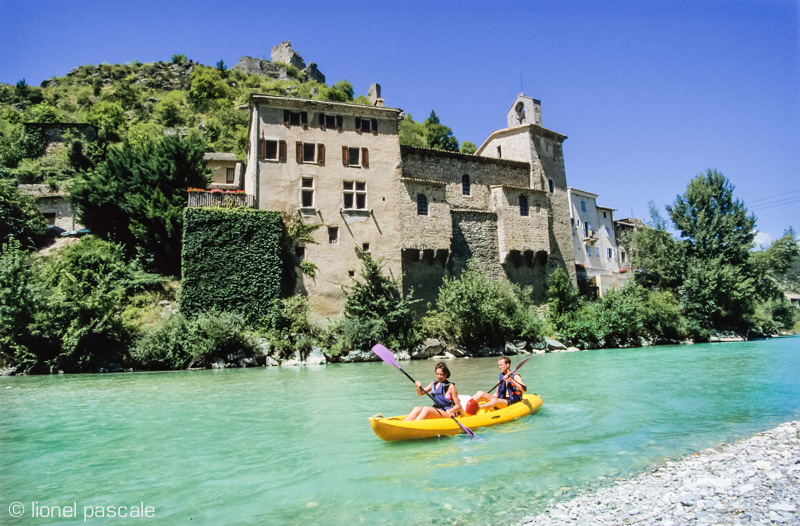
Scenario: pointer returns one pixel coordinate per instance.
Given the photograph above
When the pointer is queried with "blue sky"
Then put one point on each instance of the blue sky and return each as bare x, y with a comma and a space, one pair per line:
649, 93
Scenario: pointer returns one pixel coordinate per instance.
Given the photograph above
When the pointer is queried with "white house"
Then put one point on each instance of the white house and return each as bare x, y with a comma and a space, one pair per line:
594, 243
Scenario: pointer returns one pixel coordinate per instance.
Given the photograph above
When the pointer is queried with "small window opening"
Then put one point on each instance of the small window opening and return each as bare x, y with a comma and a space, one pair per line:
309, 152
466, 187
523, 205
365, 247
422, 205
333, 235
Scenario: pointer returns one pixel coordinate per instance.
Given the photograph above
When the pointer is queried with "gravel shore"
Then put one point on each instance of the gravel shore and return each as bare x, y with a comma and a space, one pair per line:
753, 481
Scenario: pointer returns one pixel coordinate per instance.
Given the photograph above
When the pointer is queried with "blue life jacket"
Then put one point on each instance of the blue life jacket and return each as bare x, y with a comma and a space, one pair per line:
440, 402
509, 391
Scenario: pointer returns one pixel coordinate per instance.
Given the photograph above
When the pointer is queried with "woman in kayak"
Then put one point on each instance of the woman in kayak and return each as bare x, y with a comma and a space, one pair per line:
445, 394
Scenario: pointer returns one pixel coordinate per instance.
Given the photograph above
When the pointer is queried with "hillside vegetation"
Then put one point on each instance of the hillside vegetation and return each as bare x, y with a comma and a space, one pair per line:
136, 102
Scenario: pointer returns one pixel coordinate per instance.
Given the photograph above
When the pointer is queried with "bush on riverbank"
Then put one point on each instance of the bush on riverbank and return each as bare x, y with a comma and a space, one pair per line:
626, 317
63, 312
473, 309
178, 342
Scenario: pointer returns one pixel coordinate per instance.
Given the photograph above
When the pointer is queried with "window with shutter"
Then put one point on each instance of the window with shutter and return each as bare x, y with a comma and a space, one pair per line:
309, 152
298, 150
282, 151
365, 157
352, 156
271, 150
320, 153
261, 151
345, 156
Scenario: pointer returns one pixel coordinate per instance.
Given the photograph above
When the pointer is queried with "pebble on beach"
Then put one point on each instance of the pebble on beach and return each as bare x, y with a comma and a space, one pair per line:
753, 481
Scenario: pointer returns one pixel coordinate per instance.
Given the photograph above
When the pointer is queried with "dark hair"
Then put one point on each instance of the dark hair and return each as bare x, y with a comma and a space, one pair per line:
506, 359
443, 367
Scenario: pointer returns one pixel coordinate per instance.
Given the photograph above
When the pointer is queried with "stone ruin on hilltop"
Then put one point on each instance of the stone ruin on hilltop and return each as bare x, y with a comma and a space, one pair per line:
282, 53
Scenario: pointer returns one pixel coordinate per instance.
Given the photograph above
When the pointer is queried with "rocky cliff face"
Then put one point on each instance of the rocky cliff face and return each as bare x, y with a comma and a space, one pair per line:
281, 54
158, 75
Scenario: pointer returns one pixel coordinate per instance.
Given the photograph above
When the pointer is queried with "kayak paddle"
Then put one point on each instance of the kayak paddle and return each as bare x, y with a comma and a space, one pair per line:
386, 355
472, 405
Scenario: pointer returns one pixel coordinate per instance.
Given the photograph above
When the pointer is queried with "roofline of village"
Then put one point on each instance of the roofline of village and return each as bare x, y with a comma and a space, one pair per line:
315, 104
463, 156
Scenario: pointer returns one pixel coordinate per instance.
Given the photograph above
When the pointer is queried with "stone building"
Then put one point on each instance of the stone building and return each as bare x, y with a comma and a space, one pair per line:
226, 170
594, 244
424, 213
54, 205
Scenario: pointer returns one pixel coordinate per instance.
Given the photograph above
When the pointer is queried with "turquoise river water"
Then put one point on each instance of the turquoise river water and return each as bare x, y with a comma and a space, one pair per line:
293, 445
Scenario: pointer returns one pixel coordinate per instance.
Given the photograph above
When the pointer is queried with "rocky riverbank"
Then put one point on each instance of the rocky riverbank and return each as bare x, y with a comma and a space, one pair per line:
753, 481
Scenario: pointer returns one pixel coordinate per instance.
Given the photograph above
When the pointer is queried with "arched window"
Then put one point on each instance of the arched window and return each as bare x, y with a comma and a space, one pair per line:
551, 186
465, 186
523, 205
422, 205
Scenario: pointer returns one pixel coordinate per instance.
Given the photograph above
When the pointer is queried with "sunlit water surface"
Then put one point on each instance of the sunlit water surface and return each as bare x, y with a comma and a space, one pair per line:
293, 445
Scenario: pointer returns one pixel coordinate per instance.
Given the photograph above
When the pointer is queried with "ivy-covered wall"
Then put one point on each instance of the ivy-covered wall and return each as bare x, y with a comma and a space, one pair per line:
231, 260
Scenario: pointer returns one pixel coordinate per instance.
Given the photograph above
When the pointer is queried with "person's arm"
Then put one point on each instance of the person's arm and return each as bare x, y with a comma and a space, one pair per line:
420, 390
456, 409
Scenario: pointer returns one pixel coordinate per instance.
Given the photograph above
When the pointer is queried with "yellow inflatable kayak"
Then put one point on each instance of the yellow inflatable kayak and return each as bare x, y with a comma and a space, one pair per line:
395, 428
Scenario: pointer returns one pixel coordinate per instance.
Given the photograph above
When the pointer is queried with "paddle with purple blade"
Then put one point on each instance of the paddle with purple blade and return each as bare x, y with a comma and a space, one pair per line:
386, 355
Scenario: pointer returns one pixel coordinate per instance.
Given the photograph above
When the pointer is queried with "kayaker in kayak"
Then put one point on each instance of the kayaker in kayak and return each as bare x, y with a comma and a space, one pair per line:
508, 392
445, 394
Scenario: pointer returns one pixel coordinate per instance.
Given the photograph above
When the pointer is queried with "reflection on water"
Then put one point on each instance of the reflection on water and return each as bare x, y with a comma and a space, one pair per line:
290, 445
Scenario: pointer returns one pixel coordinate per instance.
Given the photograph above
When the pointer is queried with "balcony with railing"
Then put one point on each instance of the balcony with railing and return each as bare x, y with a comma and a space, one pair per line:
220, 198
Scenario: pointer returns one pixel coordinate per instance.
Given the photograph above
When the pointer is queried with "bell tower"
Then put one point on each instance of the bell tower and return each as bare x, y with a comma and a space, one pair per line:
524, 110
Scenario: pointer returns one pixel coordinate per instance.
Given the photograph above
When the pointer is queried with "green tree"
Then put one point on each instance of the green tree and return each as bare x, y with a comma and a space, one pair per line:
45, 112
207, 87
656, 256
80, 317
19, 217
109, 119
19, 296
718, 291
439, 136
376, 297
341, 91
412, 133
562, 296
468, 147
136, 197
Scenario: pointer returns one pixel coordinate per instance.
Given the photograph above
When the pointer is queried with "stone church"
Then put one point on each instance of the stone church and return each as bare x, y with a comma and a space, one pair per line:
423, 213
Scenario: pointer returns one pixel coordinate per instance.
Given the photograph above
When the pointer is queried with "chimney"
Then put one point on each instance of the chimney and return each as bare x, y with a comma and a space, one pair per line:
374, 95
